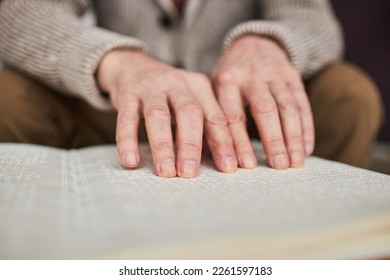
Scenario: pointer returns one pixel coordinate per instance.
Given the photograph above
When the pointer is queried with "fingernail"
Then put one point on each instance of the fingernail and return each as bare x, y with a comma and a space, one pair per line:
280, 162
167, 168
309, 149
229, 164
248, 161
297, 159
188, 169
131, 159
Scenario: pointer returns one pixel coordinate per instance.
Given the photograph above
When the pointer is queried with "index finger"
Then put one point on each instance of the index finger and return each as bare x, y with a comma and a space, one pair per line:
229, 97
265, 113
127, 131
216, 126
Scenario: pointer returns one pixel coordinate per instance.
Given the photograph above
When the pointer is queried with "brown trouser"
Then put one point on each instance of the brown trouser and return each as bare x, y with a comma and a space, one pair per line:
346, 105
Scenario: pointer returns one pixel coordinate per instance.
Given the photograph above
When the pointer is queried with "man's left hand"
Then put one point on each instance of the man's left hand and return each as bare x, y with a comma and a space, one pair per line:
256, 71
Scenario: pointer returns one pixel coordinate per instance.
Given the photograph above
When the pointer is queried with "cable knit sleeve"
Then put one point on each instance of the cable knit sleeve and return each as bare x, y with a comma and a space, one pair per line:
307, 29
46, 39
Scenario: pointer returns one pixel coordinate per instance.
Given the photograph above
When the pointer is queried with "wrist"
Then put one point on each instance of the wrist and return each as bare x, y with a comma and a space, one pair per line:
264, 42
108, 70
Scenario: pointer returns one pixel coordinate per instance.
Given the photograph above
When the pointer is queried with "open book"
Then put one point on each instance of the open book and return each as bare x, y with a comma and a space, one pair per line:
82, 204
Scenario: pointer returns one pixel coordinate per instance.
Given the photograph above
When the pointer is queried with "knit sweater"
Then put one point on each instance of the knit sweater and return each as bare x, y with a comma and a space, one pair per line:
47, 40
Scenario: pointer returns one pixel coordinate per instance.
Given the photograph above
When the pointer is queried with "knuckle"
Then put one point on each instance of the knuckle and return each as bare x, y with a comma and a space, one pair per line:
236, 117
191, 108
217, 119
127, 87
144, 84
225, 77
157, 111
191, 146
128, 91
127, 95
176, 76
201, 79
127, 118
287, 105
263, 107
275, 143
162, 144
294, 138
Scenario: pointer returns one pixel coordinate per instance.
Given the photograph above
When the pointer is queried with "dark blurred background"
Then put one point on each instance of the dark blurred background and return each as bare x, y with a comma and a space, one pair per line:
366, 26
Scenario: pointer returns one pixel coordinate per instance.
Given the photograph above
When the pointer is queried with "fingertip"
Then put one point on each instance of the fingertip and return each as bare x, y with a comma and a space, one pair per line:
297, 159
309, 149
280, 162
229, 164
131, 159
188, 169
248, 161
166, 169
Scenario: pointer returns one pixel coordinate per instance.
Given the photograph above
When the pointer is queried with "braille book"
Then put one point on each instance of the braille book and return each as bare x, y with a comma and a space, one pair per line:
82, 204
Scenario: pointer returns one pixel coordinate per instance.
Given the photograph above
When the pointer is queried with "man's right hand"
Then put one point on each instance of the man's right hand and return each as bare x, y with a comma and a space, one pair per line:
139, 85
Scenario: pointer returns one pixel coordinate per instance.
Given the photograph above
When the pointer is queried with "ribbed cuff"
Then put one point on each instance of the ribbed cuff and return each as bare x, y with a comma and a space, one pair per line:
80, 58
276, 31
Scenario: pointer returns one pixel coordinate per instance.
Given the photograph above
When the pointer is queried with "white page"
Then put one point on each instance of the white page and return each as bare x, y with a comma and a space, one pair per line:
94, 208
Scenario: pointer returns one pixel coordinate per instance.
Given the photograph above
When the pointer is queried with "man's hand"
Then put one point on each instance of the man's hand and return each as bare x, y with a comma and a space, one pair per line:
256, 71
140, 85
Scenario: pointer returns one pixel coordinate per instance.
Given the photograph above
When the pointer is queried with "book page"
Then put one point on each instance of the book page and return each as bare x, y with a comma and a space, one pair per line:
93, 207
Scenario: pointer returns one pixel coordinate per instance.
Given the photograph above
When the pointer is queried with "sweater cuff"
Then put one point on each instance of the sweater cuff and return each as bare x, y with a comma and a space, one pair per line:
80, 58
278, 32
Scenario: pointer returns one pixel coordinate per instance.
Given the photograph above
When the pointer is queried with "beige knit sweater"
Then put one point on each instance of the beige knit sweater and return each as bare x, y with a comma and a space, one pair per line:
46, 39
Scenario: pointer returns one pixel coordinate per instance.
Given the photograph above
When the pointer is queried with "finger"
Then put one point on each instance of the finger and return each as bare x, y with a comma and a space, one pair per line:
265, 113
189, 131
299, 92
229, 97
158, 128
291, 122
216, 127
127, 131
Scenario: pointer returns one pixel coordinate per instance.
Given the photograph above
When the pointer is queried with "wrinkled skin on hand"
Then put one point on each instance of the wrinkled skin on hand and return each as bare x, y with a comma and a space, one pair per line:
256, 72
